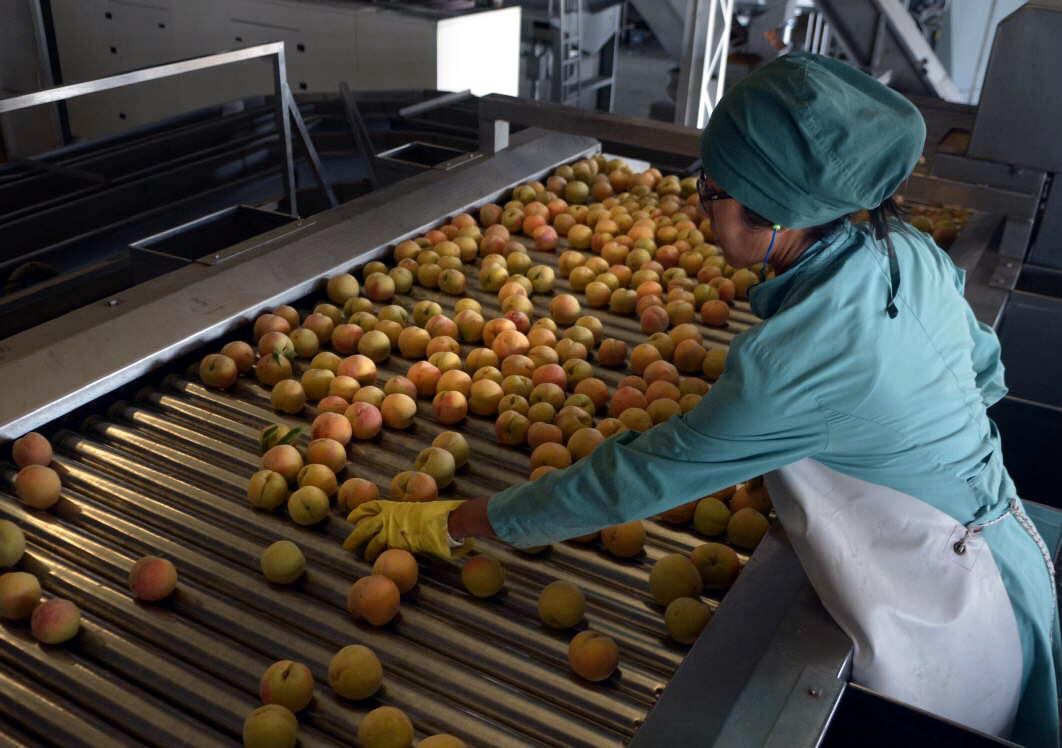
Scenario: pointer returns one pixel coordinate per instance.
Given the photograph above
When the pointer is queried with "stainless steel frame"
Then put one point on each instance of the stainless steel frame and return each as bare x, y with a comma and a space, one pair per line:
286, 110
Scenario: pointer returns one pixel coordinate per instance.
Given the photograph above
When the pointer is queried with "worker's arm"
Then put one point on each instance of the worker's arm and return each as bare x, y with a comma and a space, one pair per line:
756, 418
987, 363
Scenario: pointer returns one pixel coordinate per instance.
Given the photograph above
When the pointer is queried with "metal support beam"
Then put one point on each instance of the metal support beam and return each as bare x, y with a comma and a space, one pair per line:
702, 79
359, 131
311, 151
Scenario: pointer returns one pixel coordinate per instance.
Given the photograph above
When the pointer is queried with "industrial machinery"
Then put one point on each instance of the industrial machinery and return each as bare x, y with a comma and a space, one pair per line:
154, 462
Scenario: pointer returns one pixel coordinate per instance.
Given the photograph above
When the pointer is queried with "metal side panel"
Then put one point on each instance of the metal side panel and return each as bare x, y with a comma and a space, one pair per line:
58, 366
769, 670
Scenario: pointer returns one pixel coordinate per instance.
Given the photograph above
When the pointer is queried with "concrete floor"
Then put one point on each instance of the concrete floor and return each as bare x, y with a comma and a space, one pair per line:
641, 79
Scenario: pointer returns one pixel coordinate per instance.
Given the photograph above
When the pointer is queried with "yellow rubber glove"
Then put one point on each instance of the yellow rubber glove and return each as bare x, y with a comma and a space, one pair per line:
415, 526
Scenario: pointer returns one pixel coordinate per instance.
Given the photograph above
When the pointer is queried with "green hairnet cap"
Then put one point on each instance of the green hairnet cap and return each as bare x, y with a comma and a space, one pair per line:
806, 139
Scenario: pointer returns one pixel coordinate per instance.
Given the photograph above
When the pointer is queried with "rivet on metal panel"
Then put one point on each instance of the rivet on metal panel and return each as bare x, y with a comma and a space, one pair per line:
814, 692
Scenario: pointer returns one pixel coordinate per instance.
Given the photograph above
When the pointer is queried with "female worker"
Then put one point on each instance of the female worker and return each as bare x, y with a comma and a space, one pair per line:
861, 395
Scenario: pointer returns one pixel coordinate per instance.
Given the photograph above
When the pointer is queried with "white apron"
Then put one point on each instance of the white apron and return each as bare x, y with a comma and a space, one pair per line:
931, 627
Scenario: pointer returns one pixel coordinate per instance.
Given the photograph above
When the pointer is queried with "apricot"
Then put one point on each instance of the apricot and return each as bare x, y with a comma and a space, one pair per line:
686, 618
38, 486
542, 432
674, 576
456, 445
20, 593
484, 397
445, 361
320, 325
570, 419
610, 426
584, 441
341, 288
413, 485
241, 353
746, 528
270, 726
755, 498
332, 426
743, 280
379, 287
689, 356
438, 463
375, 345
624, 398
715, 313
510, 343
551, 453
714, 363
216, 370
399, 566
450, 407
483, 576
643, 355
593, 656
305, 343
326, 360
718, 564
398, 411
315, 384
32, 449
542, 278
595, 390
152, 579
272, 369
355, 672
308, 505
612, 352
12, 543
287, 683
288, 396
661, 371
624, 541
374, 598
564, 309
664, 345
364, 419
561, 605
267, 489
55, 621
425, 310
320, 476
711, 516
441, 741
679, 515
283, 562
469, 325
385, 727
661, 410
517, 385
413, 342
354, 492
266, 323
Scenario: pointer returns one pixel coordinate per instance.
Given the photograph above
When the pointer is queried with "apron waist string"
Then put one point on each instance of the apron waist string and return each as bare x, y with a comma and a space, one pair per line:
975, 527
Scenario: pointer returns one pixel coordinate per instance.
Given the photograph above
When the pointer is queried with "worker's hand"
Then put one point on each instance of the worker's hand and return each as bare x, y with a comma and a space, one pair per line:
415, 526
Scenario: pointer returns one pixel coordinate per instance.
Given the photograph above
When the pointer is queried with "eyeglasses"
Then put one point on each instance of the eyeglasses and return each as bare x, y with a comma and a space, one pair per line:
708, 195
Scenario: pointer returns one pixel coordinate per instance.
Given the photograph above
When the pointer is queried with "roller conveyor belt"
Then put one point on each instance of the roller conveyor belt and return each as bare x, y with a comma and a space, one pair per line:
165, 473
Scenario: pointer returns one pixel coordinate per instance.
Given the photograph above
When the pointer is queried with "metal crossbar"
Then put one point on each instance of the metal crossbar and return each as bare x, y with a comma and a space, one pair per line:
286, 109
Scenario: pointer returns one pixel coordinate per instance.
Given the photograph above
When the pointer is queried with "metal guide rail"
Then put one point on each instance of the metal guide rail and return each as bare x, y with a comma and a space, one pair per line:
164, 471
